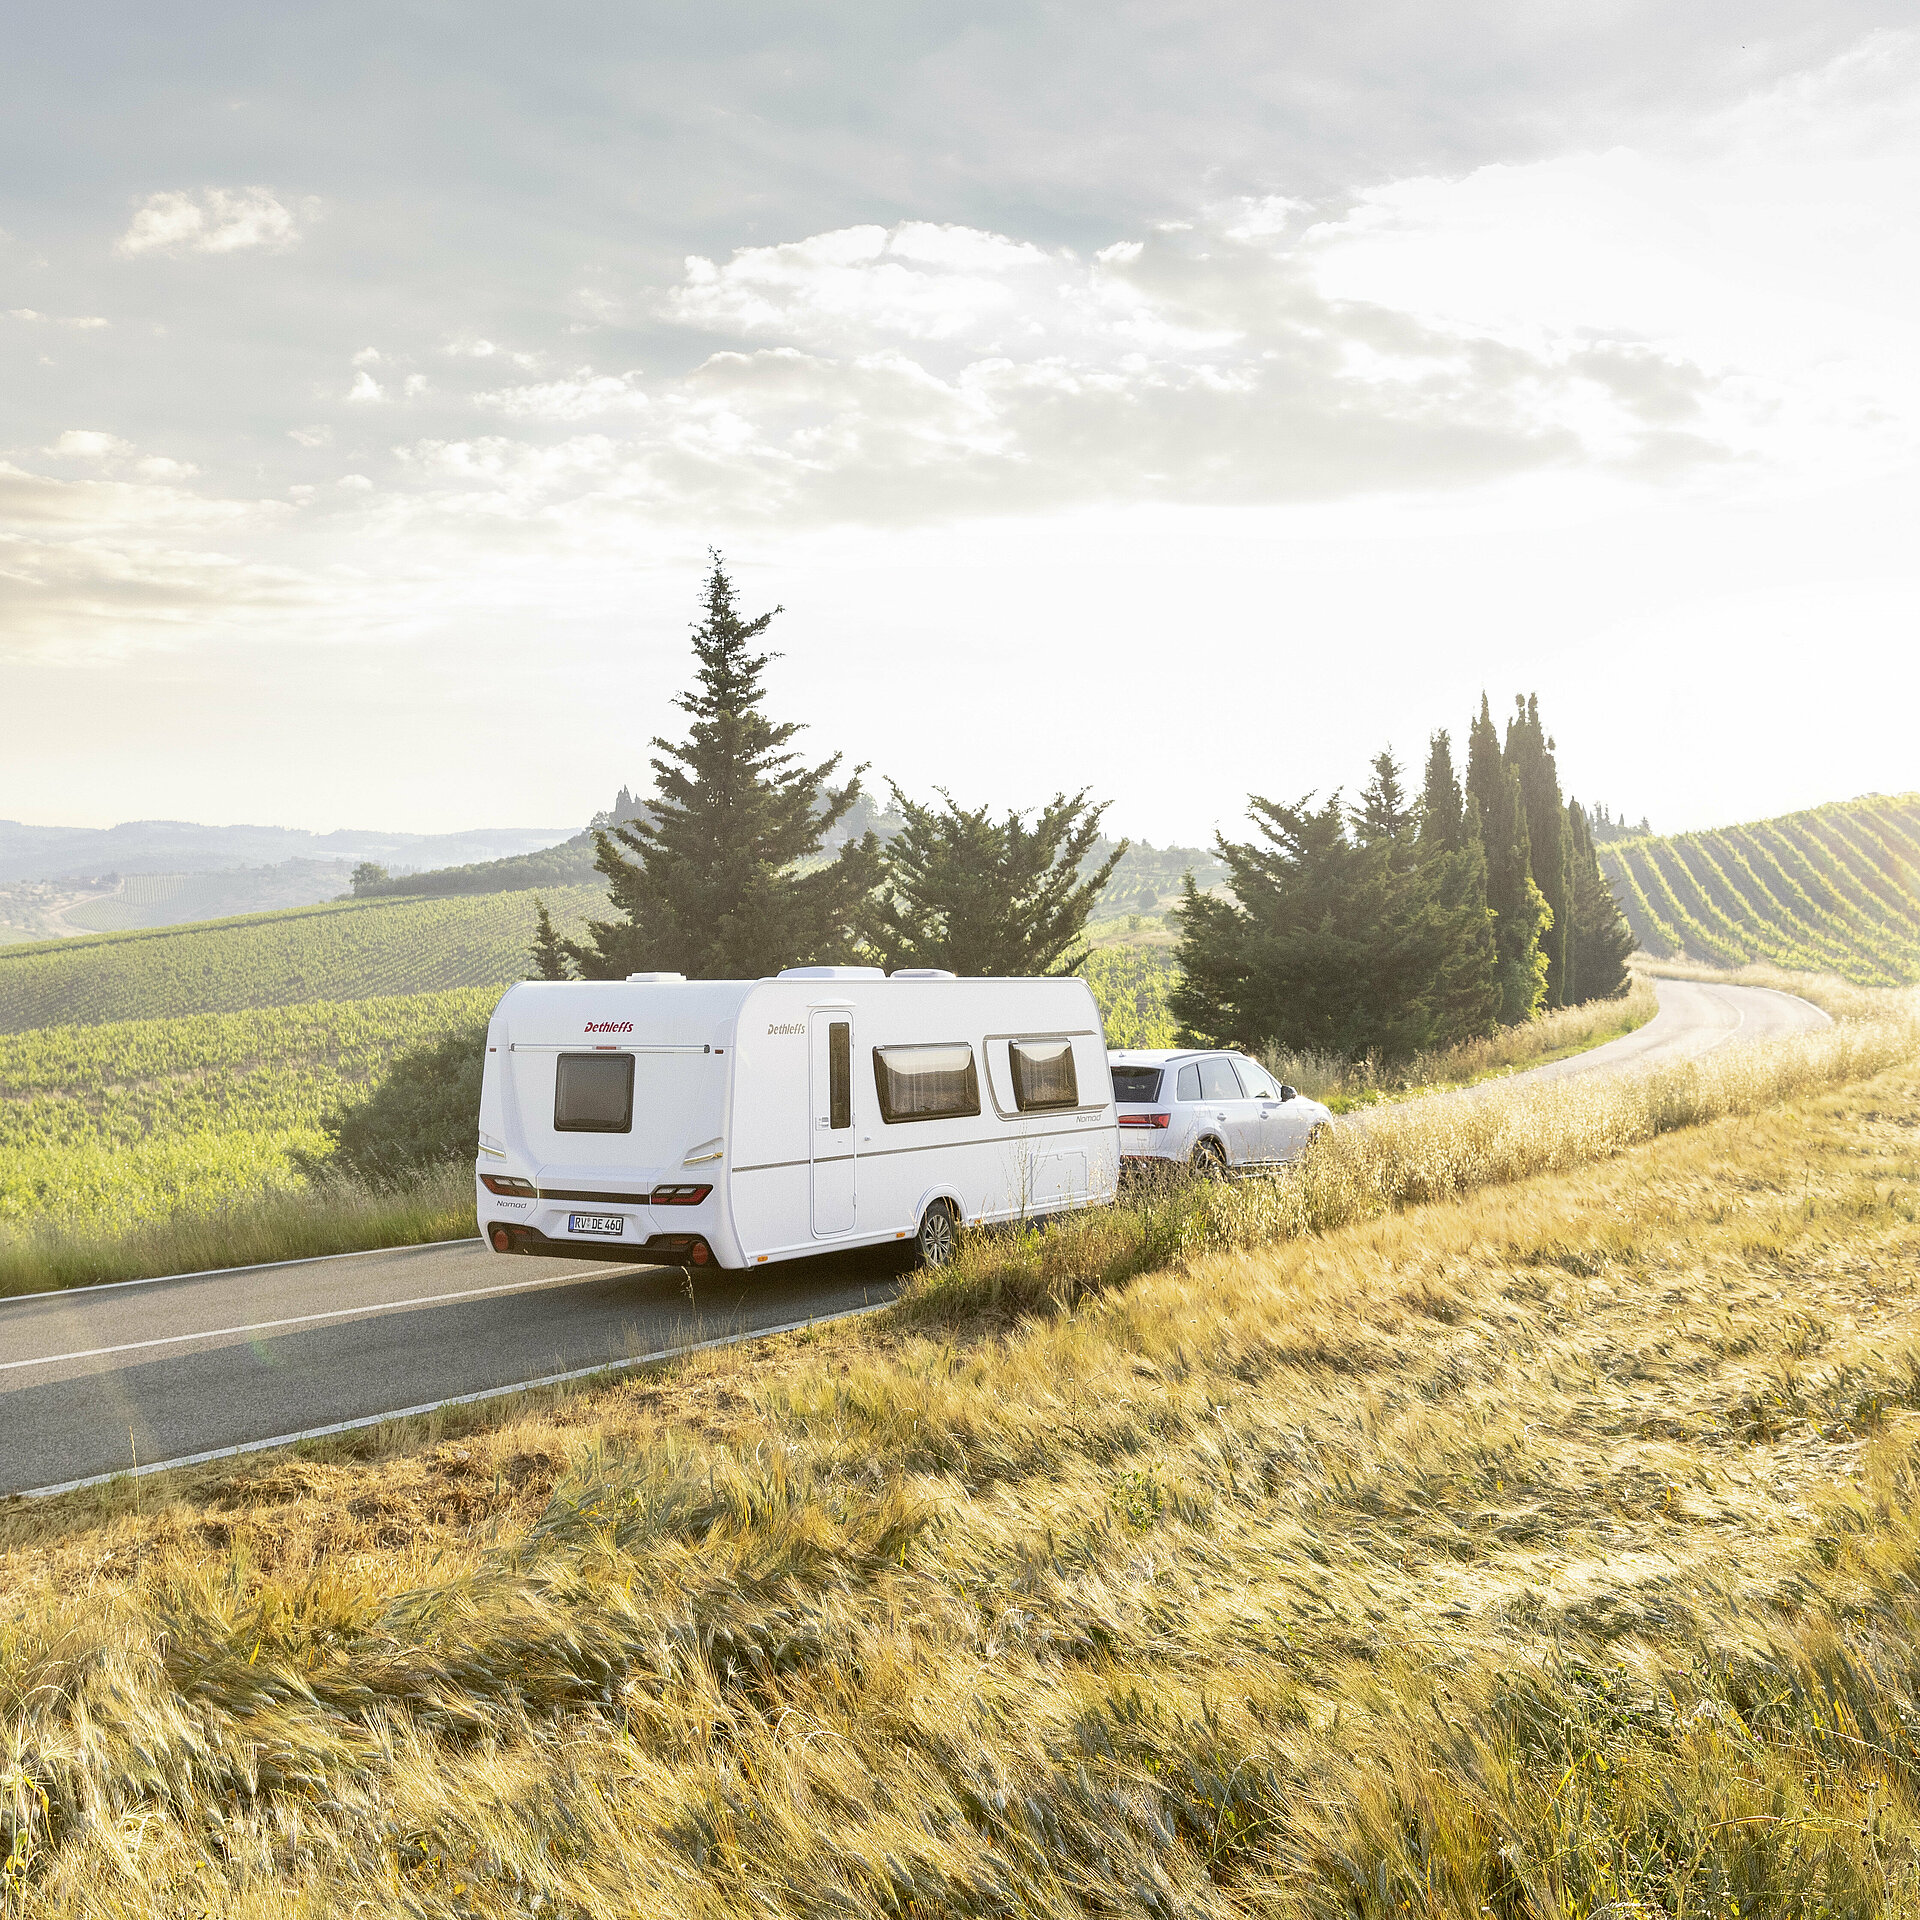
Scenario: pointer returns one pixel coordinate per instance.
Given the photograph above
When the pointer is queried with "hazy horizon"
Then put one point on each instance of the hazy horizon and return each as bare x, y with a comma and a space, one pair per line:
1175, 403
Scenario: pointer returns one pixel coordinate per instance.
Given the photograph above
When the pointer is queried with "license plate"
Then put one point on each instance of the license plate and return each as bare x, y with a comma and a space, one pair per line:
609, 1223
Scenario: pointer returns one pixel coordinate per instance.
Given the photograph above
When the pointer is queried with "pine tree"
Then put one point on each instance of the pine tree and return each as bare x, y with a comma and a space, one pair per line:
1602, 940
981, 896
1530, 753
1353, 947
1519, 908
1384, 816
1443, 815
549, 951
714, 881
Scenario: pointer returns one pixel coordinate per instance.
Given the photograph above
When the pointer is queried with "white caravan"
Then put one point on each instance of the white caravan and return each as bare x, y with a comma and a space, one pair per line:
731, 1123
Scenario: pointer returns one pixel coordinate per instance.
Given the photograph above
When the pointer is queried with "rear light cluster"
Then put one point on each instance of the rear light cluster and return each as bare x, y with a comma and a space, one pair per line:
509, 1184
1145, 1119
678, 1196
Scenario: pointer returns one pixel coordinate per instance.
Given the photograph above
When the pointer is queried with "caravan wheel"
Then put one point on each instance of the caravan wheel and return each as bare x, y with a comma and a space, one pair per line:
938, 1232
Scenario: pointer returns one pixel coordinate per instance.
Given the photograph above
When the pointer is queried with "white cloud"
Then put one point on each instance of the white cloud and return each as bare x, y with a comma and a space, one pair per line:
86, 322
579, 398
90, 566
416, 384
355, 483
366, 357
82, 444
217, 220
365, 387
311, 436
919, 280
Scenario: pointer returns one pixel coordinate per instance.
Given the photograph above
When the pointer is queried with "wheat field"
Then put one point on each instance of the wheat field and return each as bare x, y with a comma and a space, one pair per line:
1497, 1519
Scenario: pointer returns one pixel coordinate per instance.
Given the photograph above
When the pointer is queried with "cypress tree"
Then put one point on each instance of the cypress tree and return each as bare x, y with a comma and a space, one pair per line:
962, 890
1384, 817
1602, 940
1443, 815
1530, 754
720, 877
1467, 991
1519, 909
549, 951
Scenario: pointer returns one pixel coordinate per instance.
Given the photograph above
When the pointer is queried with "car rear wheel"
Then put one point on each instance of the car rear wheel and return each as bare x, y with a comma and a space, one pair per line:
1208, 1161
938, 1235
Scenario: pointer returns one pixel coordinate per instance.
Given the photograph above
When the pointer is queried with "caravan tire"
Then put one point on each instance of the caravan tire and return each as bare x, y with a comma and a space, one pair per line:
938, 1233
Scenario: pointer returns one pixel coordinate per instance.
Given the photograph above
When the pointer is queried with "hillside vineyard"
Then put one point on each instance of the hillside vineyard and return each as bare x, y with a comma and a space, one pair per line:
350, 950
1833, 890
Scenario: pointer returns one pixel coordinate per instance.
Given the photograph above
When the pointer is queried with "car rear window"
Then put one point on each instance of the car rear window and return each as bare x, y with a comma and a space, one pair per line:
1136, 1083
593, 1093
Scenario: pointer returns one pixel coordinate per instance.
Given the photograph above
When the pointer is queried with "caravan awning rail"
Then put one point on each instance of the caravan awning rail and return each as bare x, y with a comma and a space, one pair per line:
598, 1046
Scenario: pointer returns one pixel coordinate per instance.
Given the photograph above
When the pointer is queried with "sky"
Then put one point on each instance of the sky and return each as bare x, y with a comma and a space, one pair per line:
1177, 401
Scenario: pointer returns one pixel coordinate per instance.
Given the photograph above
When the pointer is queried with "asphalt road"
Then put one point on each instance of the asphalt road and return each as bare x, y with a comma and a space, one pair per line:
97, 1380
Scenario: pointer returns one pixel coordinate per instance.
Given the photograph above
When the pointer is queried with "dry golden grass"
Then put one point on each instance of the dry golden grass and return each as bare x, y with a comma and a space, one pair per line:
1548, 1547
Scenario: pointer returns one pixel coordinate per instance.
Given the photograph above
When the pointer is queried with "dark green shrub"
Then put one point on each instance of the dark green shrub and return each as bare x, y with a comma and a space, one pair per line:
424, 1113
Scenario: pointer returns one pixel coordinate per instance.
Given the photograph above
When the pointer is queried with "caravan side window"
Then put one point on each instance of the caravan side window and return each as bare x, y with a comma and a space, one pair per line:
839, 1075
593, 1093
1043, 1075
925, 1083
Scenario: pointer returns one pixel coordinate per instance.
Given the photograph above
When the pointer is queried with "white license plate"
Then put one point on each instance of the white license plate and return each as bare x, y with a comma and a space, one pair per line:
610, 1223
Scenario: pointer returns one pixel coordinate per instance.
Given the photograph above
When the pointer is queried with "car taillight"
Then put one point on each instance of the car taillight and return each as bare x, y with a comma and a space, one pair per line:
509, 1184
679, 1196
1145, 1119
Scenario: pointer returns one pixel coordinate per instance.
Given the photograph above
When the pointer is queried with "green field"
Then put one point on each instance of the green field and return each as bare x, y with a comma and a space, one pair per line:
1833, 890
346, 950
111, 1128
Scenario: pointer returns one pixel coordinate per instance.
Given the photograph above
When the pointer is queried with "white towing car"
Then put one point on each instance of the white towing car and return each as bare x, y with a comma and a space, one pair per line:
1217, 1112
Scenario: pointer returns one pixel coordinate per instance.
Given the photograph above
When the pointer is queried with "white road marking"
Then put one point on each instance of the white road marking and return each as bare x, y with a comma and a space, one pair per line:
457, 1400
297, 1320
228, 1273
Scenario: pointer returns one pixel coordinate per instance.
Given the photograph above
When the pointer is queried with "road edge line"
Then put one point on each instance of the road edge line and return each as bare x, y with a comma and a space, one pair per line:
90, 1287
435, 1406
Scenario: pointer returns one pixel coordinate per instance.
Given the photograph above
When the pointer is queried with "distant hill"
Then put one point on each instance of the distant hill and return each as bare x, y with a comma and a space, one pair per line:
348, 950
183, 847
1147, 880
1835, 889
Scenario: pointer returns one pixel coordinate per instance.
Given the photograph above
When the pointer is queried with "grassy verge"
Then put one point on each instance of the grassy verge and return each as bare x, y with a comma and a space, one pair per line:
282, 1224
1491, 1520
1345, 1085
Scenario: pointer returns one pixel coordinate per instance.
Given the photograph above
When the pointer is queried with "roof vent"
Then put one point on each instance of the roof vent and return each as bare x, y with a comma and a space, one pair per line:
829, 973
921, 973
656, 979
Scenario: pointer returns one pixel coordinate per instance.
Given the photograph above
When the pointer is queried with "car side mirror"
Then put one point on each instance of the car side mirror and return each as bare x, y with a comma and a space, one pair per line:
1289, 1093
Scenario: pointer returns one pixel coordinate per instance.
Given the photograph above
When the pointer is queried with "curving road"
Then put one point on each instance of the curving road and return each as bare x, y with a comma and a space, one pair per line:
101, 1380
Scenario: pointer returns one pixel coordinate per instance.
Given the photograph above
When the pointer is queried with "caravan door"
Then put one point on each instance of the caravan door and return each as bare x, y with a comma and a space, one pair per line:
830, 1087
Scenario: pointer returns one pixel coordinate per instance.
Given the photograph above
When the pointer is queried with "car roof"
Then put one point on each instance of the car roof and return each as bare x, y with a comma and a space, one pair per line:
1158, 1056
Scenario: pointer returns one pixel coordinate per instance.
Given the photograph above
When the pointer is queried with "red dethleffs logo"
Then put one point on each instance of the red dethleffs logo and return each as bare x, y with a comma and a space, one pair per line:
609, 1026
